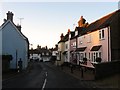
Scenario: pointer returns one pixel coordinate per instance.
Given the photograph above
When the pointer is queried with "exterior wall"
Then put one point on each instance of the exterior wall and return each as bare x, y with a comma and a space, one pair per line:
92, 39
54, 53
0, 42
73, 44
14, 44
60, 53
114, 37
73, 56
66, 49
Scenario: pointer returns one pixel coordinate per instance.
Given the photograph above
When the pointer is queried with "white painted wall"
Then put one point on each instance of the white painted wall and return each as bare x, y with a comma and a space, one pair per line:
14, 43
66, 57
61, 48
54, 53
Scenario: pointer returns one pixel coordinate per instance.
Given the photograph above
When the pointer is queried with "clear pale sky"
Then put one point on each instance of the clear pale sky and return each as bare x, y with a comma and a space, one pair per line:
44, 22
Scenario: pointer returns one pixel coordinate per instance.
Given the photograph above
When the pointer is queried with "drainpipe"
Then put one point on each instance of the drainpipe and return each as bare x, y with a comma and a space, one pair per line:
109, 58
16, 57
75, 50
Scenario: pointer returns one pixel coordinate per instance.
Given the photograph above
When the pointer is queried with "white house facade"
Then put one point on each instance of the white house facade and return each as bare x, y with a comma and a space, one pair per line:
14, 43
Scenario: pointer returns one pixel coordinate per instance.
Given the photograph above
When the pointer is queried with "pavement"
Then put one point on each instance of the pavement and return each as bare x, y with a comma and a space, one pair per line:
11, 74
87, 75
107, 82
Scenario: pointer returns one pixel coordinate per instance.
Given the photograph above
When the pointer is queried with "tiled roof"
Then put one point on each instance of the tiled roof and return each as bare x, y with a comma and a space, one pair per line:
16, 28
66, 37
39, 51
98, 24
81, 30
102, 22
72, 34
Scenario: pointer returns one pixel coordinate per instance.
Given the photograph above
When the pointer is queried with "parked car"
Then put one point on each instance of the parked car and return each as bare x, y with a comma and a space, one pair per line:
35, 59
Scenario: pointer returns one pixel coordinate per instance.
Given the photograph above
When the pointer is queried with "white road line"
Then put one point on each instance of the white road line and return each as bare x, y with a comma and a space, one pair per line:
44, 81
44, 84
46, 74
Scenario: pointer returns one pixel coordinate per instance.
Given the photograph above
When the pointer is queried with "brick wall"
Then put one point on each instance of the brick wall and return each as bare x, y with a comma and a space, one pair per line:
107, 69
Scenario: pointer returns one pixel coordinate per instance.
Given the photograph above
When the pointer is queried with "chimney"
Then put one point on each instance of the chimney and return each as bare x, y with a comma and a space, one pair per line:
61, 37
68, 31
4, 20
19, 27
56, 46
46, 47
10, 16
81, 22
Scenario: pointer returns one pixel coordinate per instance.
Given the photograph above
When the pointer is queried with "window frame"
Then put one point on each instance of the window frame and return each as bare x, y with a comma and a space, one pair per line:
101, 34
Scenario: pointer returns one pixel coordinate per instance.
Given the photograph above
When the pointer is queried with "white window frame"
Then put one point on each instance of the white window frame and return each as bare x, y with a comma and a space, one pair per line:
82, 55
93, 55
74, 44
101, 34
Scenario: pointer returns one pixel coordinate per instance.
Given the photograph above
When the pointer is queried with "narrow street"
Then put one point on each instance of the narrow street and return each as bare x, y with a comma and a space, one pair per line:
45, 75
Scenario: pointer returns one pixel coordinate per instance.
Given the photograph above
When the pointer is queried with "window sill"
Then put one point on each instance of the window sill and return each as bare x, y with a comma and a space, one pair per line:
102, 39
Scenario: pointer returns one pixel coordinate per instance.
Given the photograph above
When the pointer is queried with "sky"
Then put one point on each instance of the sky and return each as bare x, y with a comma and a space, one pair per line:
43, 22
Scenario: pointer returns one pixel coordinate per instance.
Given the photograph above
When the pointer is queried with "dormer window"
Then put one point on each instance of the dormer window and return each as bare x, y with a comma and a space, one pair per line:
76, 33
69, 35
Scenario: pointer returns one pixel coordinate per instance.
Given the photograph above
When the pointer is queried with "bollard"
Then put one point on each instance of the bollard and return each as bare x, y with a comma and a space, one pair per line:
71, 68
62, 67
81, 72
18, 69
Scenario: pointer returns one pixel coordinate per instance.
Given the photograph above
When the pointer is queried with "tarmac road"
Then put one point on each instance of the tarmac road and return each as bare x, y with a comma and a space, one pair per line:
45, 75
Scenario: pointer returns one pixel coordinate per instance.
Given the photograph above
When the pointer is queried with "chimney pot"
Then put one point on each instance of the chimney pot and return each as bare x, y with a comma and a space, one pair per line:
19, 27
81, 22
10, 16
68, 30
4, 20
61, 37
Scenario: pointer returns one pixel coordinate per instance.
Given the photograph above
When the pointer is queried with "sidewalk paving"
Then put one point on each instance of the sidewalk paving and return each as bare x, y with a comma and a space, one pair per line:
108, 82
12, 73
87, 75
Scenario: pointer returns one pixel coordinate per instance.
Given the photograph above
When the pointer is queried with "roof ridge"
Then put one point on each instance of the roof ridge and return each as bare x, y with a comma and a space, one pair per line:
110, 14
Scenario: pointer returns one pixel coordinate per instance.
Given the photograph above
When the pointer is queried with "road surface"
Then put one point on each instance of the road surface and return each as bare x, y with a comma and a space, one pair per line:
45, 75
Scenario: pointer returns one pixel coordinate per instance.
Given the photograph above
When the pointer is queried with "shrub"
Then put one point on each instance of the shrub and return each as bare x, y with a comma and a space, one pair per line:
84, 59
98, 60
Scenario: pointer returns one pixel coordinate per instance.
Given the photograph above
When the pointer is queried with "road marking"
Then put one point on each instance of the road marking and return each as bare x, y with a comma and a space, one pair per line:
44, 81
46, 74
44, 84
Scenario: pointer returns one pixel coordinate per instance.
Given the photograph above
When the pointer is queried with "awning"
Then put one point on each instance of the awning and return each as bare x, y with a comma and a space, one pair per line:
64, 52
81, 49
95, 48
